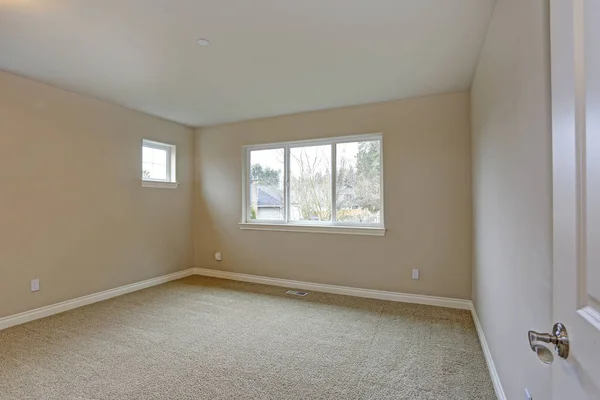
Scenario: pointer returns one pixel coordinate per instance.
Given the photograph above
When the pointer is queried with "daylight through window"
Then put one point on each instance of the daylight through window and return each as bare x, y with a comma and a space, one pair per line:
158, 161
334, 182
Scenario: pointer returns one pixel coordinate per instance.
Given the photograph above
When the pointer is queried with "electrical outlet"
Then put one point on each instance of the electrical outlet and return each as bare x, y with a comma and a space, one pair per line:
528, 395
218, 256
35, 285
415, 274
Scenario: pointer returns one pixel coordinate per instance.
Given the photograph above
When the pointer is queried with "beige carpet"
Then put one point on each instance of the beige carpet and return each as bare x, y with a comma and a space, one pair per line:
202, 338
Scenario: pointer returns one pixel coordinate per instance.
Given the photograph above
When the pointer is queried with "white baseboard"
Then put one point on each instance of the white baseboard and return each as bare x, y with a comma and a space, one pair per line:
488, 357
42, 312
348, 291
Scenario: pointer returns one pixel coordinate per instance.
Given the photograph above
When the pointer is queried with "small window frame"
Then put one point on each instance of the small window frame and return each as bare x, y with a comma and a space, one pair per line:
171, 168
333, 226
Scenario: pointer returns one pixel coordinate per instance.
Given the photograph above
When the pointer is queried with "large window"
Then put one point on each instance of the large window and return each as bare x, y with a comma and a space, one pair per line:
329, 183
158, 164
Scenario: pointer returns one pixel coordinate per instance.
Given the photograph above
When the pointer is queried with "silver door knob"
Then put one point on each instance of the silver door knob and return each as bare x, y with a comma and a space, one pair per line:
559, 338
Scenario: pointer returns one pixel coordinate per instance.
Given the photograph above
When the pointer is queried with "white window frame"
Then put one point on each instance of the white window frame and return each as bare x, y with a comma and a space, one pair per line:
170, 182
333, 226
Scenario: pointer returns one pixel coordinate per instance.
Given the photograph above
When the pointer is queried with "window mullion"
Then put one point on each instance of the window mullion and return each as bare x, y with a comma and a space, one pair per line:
333, 183
286, 188
168, 164
381, 184
248, 187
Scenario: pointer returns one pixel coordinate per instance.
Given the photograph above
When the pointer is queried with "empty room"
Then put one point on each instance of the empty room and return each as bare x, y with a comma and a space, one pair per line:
285, 199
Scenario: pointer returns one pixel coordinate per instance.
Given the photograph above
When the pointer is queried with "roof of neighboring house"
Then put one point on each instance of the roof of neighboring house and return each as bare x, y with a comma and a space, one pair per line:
269, 197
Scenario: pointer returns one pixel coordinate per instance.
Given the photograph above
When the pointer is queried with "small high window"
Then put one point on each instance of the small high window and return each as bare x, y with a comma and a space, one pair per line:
158, 164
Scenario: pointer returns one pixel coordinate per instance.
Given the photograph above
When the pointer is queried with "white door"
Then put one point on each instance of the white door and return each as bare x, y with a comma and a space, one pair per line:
575, 62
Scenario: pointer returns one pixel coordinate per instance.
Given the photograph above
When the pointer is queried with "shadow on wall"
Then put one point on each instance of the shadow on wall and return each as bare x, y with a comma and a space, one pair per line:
204, 226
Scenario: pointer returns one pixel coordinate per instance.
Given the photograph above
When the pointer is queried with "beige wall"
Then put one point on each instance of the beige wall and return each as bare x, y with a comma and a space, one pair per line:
72, 209
427, 197
512, 278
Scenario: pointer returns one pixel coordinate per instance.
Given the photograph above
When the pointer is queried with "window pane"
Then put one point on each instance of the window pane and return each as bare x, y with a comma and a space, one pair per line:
266, 185
154, 171
146, 170
159, 172
147, 154
159, 156
358, 182
310, 183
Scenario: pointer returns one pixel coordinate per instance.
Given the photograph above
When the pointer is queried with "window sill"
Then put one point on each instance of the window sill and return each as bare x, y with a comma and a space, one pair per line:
341, 230
159, 184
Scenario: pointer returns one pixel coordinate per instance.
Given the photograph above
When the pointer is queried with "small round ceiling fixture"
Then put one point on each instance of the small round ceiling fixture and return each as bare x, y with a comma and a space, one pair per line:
203, 42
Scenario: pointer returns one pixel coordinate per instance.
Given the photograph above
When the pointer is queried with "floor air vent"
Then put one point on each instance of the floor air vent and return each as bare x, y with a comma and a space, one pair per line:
296, 293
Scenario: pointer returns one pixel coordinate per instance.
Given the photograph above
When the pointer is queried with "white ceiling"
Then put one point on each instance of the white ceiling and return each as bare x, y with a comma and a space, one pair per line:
267, 57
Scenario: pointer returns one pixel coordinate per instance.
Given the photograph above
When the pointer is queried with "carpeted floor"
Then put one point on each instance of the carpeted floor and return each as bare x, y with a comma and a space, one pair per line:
202, 338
